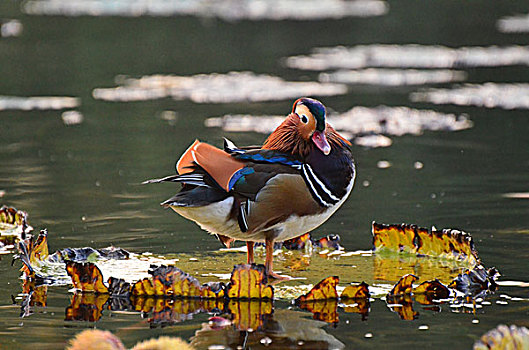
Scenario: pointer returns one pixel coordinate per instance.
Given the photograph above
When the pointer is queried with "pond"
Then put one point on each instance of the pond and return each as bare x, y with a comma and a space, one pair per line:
130, 87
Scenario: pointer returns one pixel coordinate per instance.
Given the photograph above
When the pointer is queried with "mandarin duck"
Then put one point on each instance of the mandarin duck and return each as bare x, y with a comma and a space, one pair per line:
289, 186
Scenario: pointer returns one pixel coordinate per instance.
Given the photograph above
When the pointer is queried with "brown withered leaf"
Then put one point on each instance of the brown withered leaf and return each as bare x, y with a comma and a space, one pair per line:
325, 289
249, 314
476, 282
39, 248
298, 243
86, 307
13, 224
431, 290
170, 281
403, 306
358, 291
504, 337
249, 282
359, 306
118, 287
404, 285
143, 287
213, 290
325, 310
411, 239
330, 241
32, 251
86, 277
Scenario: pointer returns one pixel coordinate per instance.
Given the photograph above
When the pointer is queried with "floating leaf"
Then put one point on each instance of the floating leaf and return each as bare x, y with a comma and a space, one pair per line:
358, 291
171, 281
360, 306
89, 254
118, 287
504, 337
213, 290
404, 285
322, 310
298, 243
476, 282
143, 287
330, 241
325, 289
402, 305
432, 289
249, 282
249, 314
86, 277
13, 223
39, 249
86, 307
447, 243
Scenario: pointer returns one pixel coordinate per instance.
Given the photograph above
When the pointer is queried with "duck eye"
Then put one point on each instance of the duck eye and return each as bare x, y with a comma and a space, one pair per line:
304, 119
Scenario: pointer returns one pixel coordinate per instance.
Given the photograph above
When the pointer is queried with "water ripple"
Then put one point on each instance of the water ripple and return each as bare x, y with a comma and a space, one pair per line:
488, 95
413, 56
38, 102
215, 88
514, 24
393, 77
226, 10
358, 123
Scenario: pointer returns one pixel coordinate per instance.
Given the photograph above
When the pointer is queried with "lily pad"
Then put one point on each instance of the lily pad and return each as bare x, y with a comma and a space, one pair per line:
411, 239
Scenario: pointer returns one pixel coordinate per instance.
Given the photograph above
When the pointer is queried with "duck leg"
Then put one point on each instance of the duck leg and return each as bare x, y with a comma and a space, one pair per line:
249, 252
269, 261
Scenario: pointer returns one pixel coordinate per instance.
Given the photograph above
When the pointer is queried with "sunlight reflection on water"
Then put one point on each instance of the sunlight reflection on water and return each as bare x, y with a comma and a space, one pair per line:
215, 88
357, 122
226, 10
488, 95
413, 56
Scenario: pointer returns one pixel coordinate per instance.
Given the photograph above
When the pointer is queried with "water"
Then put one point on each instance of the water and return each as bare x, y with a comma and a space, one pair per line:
81, 181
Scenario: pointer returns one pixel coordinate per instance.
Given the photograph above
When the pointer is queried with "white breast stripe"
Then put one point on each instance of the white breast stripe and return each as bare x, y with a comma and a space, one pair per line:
313, 189
243, 217
322, 185
192, 176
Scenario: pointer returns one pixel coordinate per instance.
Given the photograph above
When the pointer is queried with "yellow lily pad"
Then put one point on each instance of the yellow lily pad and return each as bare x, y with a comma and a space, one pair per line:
404, 285
411, 239
86, 277
325, 289
358, 291
249, 282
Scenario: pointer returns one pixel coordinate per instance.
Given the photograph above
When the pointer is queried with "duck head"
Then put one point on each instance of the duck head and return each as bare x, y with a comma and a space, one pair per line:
311, 123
